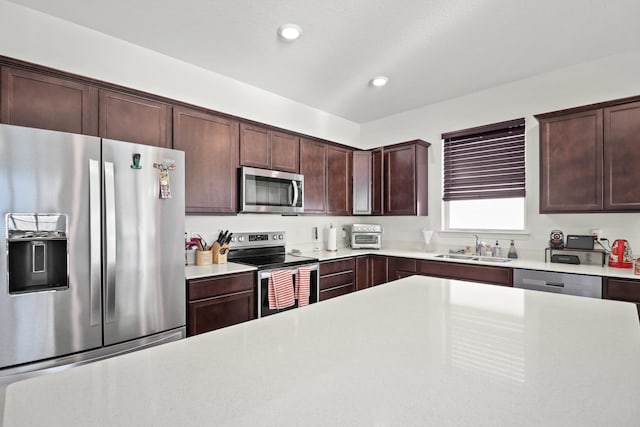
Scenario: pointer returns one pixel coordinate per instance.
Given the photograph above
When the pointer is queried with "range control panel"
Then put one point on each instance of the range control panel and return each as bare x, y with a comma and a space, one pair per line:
258, 240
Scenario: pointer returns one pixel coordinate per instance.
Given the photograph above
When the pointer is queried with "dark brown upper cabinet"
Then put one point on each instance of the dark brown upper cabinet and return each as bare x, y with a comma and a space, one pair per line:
339, 181
362, 182
313, 160
589, 157
264, 148
622, 157
44, 101
135, 119
327, 178
406, 178
571, 163
377, 181
210, 143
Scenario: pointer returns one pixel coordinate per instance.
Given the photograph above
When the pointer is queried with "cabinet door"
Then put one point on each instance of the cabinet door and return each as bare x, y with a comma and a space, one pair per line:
218, 302
474, 273
363, 279
255, 146
405, 177
397, 268
622, 157
313, 161
622, 290
134, 119
285, 152
211, 150
47, 102
377, 182
361, 183
339, 197
378, 266
219, 312
571, 150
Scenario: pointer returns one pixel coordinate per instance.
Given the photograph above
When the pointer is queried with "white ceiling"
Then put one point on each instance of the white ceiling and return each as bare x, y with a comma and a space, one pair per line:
431, 50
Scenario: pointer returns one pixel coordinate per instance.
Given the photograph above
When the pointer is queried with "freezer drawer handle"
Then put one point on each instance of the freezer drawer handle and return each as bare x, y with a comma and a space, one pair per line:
110, 242
94, 242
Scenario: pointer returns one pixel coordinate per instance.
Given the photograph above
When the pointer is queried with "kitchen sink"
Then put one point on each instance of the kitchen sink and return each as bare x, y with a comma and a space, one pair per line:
491, 259
456, 256
474, 258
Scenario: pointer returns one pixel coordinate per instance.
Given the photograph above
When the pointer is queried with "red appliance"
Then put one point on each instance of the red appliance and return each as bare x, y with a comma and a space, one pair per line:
620, 256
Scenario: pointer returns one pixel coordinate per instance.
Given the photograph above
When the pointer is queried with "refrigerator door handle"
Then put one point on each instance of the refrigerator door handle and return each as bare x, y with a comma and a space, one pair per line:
110, 242
94, 243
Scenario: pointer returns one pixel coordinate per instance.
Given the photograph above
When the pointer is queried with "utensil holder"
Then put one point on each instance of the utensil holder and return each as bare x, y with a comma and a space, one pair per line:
204, 257
220, 253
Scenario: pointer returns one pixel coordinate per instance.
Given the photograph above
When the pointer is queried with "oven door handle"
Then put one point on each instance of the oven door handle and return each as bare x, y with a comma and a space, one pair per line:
265, 274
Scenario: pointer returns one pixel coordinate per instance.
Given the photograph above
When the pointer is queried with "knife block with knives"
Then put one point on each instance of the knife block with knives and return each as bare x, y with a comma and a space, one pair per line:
221, 247
220, 253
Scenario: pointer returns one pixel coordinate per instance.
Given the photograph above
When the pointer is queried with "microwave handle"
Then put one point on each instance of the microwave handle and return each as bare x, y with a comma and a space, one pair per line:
294, 184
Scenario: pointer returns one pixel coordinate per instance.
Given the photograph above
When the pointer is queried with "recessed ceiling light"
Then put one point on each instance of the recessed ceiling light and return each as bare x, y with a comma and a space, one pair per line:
378, 81
289, 31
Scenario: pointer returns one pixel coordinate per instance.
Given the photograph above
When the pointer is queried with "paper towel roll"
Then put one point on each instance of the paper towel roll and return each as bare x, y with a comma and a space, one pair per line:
332, 239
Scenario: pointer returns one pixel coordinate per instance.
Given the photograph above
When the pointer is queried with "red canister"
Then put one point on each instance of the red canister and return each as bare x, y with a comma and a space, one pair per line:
620, 256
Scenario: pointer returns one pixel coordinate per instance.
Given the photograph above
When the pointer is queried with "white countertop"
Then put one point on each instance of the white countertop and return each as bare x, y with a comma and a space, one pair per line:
199, 271
418, 351
592, 270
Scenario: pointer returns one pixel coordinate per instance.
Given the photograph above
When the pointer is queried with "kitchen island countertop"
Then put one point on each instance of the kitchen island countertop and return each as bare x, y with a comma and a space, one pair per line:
417, 351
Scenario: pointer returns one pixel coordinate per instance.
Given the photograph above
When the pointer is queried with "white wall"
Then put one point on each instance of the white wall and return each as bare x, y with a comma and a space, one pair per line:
42, 39
606, 79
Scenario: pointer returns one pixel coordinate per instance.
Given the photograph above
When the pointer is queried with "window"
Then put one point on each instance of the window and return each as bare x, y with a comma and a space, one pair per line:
484, 177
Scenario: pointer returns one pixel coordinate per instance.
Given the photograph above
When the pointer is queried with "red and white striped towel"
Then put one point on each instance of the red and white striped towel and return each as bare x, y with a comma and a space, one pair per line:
280, 289
303, 285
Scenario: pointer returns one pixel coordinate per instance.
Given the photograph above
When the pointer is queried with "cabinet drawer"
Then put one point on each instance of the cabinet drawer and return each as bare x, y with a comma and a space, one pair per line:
216, 286
334, 280
622, 290
474, 273
336, 292
331, 267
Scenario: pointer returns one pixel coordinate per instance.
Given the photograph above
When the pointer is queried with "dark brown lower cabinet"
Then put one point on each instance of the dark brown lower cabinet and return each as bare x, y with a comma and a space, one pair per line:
363, 277
398, 267
337, 278
217, 302
622, 290
474, 273
378, 265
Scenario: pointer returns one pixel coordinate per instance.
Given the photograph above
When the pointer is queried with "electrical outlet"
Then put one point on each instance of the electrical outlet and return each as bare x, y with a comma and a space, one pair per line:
596, 233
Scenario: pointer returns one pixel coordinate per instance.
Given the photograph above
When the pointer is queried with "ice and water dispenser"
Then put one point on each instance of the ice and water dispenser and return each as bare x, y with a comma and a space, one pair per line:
37, 251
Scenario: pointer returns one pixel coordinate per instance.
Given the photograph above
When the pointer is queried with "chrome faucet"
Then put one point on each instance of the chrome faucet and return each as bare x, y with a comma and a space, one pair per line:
479, 245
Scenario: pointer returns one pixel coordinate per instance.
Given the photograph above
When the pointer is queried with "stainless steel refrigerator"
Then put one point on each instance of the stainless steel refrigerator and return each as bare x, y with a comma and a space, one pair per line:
93, 238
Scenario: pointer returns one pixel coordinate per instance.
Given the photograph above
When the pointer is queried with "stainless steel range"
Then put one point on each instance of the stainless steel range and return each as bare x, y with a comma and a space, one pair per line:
267, 252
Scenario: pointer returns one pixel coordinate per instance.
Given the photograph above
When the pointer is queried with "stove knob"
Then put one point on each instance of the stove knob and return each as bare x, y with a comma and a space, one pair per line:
275, 237
281, 237
241, 239
233, 238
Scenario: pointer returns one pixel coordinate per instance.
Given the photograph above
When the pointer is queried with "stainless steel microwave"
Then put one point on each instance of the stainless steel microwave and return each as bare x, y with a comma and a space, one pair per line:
267, 191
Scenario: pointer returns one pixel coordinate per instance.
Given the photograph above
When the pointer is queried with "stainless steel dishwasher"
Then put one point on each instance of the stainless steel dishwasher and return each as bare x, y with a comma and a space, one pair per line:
559, 283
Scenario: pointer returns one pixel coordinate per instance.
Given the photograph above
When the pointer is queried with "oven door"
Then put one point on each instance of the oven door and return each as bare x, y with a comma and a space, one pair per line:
262, 302
364, 240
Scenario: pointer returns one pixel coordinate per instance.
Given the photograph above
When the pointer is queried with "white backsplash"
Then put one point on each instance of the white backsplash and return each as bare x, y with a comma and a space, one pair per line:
405, 232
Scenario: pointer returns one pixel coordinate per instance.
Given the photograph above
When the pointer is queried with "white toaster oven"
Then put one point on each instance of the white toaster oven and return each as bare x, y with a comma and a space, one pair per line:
364, 236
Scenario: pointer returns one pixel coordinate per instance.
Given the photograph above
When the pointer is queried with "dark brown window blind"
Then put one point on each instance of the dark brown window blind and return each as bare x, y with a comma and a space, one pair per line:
485, 162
